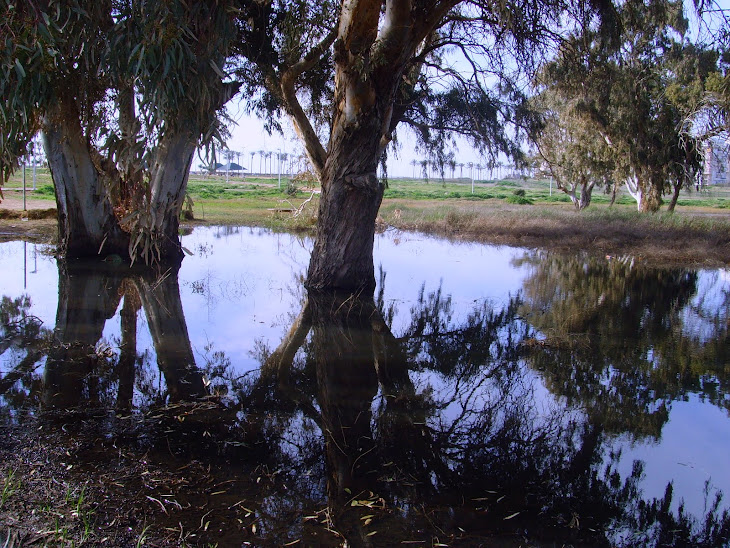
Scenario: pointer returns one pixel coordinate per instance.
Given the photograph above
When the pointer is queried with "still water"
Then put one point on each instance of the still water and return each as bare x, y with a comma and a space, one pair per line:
483, 393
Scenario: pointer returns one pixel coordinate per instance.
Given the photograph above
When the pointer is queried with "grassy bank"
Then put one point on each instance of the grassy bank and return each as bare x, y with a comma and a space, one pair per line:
530, 213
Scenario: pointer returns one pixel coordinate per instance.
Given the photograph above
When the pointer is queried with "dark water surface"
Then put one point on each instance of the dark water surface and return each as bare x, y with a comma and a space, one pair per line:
485, 395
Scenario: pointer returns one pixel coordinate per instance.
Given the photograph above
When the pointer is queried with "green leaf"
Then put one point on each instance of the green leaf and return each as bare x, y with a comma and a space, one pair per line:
218, 71
19, 69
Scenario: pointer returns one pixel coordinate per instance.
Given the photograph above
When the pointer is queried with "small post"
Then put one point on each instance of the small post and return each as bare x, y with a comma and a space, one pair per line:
24, 185
278, 156
35, 160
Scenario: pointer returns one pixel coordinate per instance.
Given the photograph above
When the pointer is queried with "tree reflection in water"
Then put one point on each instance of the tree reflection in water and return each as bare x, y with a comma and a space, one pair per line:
617, 340
350, 432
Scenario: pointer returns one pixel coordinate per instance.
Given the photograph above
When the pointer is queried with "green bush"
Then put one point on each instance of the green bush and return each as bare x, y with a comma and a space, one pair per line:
519, 200
45, 190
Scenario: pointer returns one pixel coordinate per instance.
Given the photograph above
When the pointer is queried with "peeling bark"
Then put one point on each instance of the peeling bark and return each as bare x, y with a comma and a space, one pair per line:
86, 222
648, 196
160, 222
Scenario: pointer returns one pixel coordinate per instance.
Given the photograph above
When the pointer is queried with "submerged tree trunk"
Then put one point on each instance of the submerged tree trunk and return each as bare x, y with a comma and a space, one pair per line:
86, 222
342, 339
125, 371
87, 296
155, 235
342, 257
160, 297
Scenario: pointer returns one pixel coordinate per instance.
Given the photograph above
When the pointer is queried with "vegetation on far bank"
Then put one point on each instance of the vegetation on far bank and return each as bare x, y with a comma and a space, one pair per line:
528, 212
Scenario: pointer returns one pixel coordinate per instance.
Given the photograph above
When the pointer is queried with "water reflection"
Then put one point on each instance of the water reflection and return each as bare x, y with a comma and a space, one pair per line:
615, 339
80, 366
460, 425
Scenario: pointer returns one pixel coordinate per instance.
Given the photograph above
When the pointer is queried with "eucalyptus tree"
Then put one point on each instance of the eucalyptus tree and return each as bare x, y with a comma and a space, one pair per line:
575, 155
349, 74
123, 92
620, 88
52, 79
711, 117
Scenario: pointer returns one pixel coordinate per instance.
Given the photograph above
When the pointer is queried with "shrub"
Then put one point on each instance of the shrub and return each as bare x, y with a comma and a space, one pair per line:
45, 190
519, 200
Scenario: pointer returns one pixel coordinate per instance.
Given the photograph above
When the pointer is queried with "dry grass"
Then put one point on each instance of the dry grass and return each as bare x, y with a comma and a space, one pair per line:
696, 237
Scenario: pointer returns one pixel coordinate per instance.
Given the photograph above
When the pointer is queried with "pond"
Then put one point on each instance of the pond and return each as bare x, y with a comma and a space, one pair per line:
484, 396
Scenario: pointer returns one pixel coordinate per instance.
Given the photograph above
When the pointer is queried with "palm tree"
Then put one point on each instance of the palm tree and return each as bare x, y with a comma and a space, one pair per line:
461, 170
252, 153
452, 166
414, 163
261, 154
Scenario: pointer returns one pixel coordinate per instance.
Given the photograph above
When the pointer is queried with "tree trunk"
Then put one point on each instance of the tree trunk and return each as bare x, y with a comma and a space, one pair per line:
651, 199
648, 196
86, 222
155, 235
342, 257
614, 193
675, 197
585, 196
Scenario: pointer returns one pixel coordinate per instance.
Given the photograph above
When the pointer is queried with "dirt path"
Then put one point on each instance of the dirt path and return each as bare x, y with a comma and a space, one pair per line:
13, 201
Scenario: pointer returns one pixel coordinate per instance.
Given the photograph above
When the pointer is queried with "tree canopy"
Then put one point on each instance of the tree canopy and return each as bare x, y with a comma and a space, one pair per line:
124, 92
635, 92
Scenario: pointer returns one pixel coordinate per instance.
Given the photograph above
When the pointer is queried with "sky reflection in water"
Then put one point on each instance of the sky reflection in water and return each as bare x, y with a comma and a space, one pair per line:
568, 321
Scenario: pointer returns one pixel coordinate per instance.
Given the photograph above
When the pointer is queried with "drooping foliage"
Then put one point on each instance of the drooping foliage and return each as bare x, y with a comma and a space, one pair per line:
635, 92
129, 89
462, 69
49, 48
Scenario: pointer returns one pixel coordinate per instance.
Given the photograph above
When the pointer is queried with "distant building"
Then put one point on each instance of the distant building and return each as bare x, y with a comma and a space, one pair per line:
716, 170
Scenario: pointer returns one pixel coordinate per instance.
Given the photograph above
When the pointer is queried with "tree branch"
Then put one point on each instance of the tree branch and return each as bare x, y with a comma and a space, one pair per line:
315, 151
